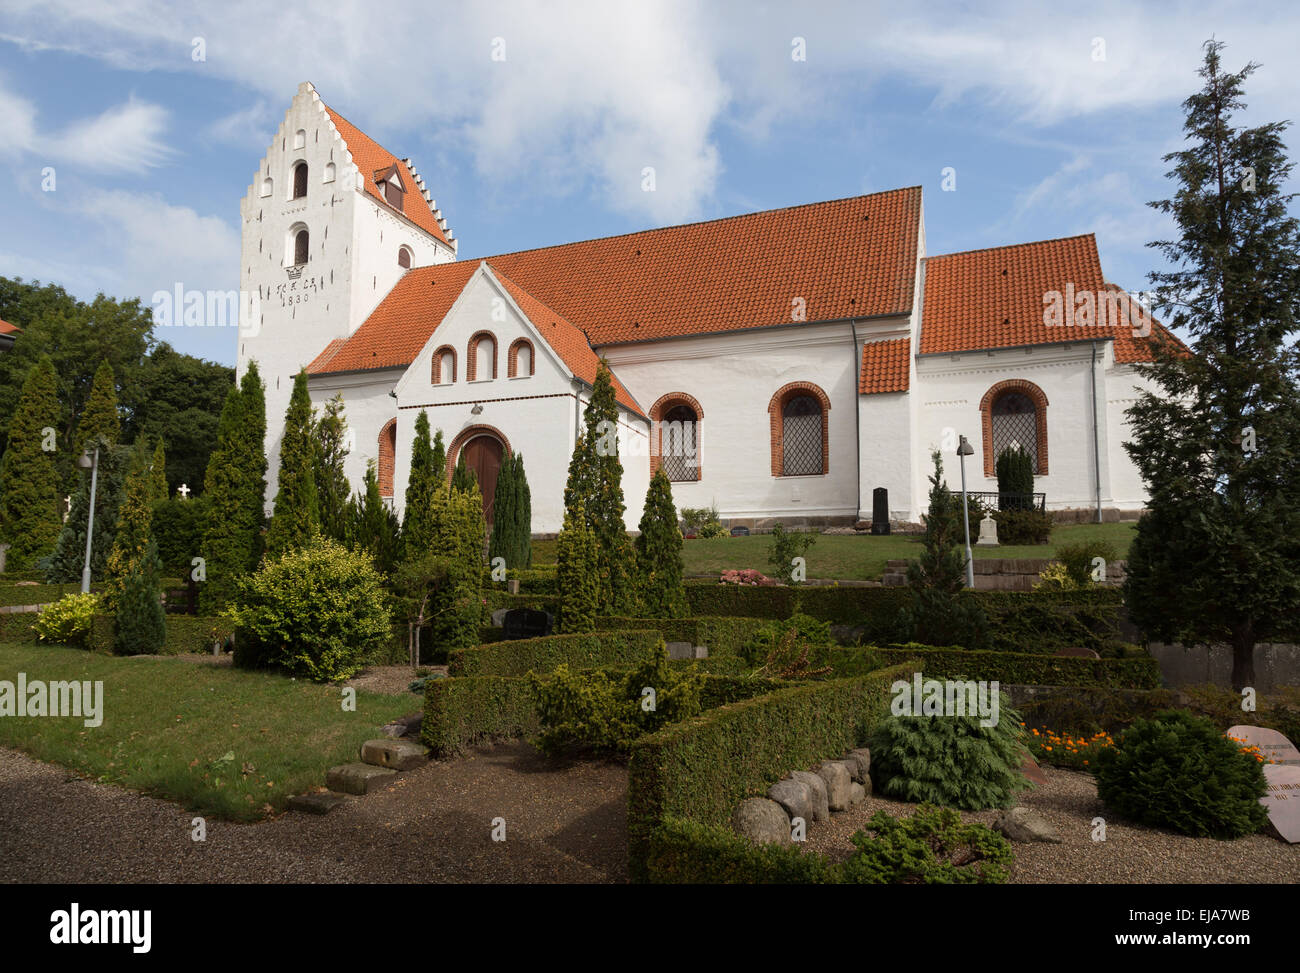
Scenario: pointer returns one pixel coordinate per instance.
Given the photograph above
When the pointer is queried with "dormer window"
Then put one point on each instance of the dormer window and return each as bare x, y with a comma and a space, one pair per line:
391, 186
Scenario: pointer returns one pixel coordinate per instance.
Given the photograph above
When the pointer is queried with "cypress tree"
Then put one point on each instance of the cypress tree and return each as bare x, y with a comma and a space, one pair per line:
439, 458
158, 473
253, 446
140, 627
512, 516
100, 416
30, 518
297, 507
1015, 472
70, 550
1214, 558
133, 542
575, 572
421, 485
462, 477
372, 525
332, 489
659, 553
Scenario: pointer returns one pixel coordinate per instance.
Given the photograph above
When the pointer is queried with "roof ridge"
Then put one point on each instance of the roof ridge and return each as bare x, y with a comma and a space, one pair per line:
504, 276
1012, 246
682, 226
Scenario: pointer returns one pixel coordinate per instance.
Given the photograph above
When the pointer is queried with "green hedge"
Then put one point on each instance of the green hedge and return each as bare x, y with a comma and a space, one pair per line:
461, 712
686, 852
584, 650
17, 627
185, 634
9, 577
725, 636
534, 581
1009, 668
35, 594
500, 598
699, 770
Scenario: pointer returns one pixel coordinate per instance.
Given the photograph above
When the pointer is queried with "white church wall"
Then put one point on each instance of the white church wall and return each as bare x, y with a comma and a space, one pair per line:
368, 407
1123, 385
734, 377
886, 457
378, 234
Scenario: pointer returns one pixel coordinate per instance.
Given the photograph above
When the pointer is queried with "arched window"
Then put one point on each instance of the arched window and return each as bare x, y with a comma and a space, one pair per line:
481, 357
443, 370
404, 257
328, 175
675, 437
520, 363
1014, 414
299, 181
299, 138
301, 247
387, 453
268, 187
799, 416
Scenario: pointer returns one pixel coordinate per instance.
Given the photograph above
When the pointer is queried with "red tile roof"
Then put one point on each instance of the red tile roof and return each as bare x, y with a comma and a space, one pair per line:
885, 366
7, 328
371, 158
1130, 347
994, 298
567, 340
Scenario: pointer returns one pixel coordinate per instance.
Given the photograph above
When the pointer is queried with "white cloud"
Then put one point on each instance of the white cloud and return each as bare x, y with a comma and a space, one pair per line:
18, 122
125, 137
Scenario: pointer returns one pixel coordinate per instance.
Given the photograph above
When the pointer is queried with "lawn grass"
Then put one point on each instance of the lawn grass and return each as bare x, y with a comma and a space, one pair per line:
844, 557
168, 724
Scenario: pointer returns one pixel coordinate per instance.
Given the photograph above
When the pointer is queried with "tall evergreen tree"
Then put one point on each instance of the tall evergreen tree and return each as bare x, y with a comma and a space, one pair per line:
70, 550
596, 479
462, 477
575, 572
373, 526
422, 483
332, 487
659, 570
158, 473
30, 518
296, 519
512, 517
1215, 558
140, 627
100, 417
133, 542
439, 458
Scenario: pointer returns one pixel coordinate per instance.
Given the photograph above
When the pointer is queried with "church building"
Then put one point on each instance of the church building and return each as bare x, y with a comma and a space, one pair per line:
778, 365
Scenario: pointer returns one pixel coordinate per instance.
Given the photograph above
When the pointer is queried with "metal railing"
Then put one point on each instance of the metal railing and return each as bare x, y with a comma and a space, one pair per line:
993, 500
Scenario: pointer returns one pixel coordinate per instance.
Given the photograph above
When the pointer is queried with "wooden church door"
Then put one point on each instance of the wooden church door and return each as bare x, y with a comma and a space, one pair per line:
483, 455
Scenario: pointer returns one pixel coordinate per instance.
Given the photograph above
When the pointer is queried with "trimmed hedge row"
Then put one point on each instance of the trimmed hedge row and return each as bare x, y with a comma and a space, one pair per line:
585, 650
699, 770
1010, 668
17, 627
724, 635
463, 711
498, 598
185, 634
535, 581
681, 851
35, 594
1020, 621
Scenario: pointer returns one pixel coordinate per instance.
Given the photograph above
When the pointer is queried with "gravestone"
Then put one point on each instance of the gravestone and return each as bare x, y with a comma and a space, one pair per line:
1273, 745
739, 531
1283, 800
988, 531
680, 650
1032, 771
880, 511
525, 623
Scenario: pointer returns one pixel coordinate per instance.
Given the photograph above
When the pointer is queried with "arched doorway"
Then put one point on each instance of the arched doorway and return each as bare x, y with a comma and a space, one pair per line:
483, 455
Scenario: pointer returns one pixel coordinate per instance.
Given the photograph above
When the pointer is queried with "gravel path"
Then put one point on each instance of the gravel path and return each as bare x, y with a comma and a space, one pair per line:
1131, 853
564, 823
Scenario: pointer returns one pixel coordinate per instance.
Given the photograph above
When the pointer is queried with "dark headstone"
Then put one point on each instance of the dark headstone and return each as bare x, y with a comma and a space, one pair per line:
739, 531
525, 623
880, 511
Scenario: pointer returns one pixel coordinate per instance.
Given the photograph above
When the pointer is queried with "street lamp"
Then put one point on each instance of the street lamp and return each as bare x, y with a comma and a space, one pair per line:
965, 449
87, 462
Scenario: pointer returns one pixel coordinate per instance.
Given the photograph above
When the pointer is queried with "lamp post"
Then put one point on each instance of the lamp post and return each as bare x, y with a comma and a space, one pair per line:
87, 462
965, 449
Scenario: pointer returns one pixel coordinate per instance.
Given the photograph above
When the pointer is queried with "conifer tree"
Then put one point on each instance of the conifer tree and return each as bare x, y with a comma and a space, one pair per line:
296, 519
100, 417
158, 473
133, 542
659, 568
331, 480
372, 525
575, 571
70, 550
1215, 557
421, 485
140, 625
462, 477
439, 458
30, 518
512, 516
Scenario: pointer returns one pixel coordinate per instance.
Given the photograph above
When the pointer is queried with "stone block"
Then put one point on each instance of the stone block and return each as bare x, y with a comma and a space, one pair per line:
358, 778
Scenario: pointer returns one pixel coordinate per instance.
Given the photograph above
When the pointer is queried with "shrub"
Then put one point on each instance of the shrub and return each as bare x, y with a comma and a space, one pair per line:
315, 612
67, 620
141, 625
1056, 577
576, 572
932, 847
808, 631
951, 761
518, 657
785, 548
1015, 471
1178, 771
594, 709
1078, 559
703, 522
178, 526
658, 562
1018, 527
442, 594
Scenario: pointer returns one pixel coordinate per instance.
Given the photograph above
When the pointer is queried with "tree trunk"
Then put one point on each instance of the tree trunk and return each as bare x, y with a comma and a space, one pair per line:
1243, 657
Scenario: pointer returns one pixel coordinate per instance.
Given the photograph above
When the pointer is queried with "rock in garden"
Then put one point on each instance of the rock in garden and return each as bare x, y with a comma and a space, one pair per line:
762, 821
1022, 824
837, 780
795, 797
857, 793
820, 801
859, 763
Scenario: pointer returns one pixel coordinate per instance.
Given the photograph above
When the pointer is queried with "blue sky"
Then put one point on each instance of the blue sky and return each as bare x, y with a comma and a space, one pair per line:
153, 149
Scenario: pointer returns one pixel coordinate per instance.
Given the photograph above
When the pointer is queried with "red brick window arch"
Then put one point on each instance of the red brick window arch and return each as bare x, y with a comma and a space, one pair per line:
481, 356
1014, 413
442, 369
799, 417
522, 360
387, 453
675, 435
